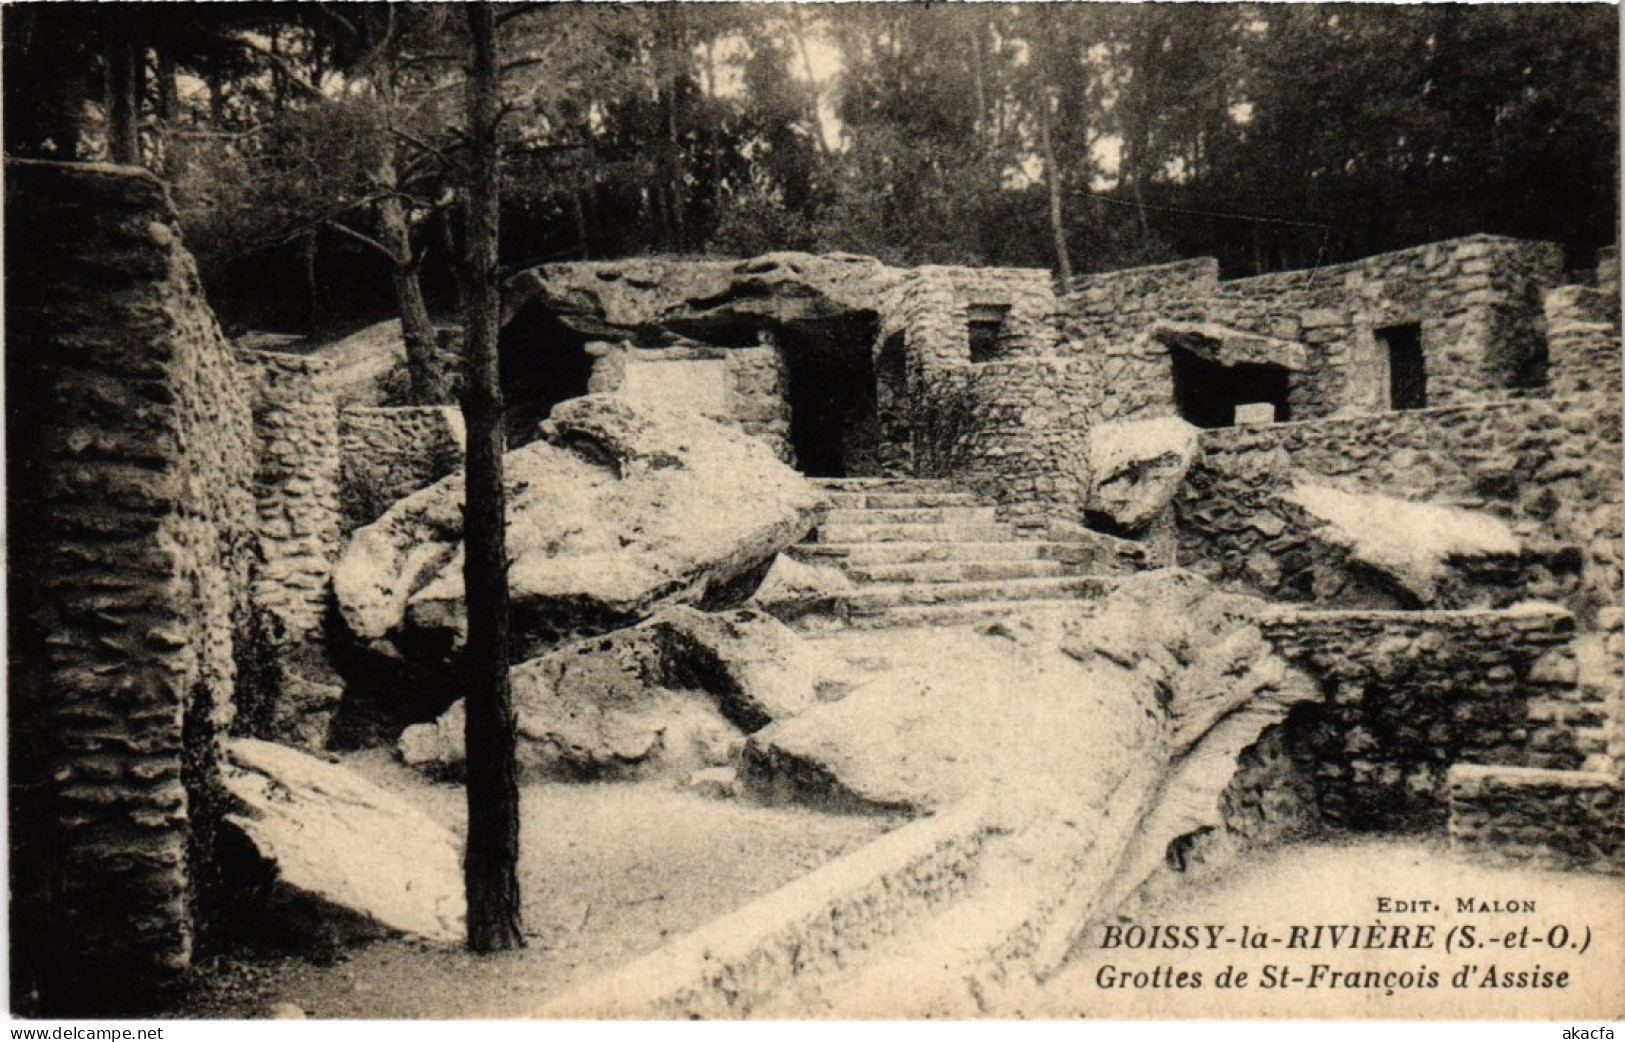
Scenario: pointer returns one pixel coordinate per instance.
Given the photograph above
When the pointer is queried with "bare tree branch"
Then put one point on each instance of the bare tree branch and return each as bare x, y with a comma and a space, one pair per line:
364, 239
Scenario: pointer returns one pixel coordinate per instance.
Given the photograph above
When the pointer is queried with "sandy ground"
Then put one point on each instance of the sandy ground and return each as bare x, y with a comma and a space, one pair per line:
608, 872
1327, 884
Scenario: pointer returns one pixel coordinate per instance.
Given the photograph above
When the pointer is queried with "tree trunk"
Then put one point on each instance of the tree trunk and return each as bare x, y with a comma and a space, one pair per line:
123, 103
1057, 213
491, 870
428, 386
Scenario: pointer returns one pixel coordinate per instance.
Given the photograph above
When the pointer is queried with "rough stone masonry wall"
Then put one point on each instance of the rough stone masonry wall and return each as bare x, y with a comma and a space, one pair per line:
387, 454
759, 396
1408, 694
1477, 300
1015, 427
1525, 814
131, 522
1015, 431
296, 489
1552, 465
931, 308
1582, 338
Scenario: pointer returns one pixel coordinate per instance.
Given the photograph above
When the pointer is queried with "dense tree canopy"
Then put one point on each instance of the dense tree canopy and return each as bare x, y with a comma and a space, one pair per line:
316, 153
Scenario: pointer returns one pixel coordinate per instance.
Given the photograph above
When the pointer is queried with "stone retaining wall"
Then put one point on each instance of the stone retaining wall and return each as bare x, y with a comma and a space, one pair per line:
388, 454
1549, 465
1409, 694
1559, 819
296, 489
131, 525
1477, 301
1582, 341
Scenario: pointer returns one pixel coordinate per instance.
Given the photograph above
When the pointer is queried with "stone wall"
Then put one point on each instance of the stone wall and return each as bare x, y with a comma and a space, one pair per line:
931, 307
1548, 465
1477, 301
1115, 307
759, 396
130, 465
1560, 819
1015, 431
1582, 338
387, 454
296, 489
745, 386
1408, 694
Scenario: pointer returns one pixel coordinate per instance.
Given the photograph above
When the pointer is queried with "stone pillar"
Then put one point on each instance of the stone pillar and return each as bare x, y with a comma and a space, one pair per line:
131, 518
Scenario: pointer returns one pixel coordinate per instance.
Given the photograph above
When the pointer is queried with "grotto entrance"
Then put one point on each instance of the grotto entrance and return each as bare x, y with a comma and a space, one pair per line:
1207, 392
831, 386
543, 362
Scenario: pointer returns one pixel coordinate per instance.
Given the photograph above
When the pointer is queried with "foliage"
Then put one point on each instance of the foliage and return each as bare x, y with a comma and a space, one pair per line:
1269, 136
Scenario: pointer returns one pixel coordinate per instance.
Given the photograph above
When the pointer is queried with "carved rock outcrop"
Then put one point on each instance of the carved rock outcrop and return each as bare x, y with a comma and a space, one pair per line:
612, 515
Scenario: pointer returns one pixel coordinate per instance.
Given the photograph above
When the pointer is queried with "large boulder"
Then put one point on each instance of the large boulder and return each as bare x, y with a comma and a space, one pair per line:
1199, 647
663, 698
331, 846
1025, 706
1421, 551
1136, 469
618, 510
795, 588
961, 713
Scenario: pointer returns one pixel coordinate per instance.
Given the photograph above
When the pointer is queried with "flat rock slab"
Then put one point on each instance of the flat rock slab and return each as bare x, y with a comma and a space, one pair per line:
620, 509
965, 712
342, 842
1411, 544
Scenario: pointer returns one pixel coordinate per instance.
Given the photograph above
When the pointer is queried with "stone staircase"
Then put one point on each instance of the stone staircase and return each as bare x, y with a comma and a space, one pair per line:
923, 553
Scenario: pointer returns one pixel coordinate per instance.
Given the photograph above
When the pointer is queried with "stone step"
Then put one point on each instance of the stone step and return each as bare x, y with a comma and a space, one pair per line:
902, 500
911, 516
877, 553
885, 597
916, 533
967, 613
960, 571
883, 484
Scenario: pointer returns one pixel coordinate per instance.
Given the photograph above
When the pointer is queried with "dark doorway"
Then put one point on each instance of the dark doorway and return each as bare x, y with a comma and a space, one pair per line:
1407, 373
1207, 393
834, 426
543, 362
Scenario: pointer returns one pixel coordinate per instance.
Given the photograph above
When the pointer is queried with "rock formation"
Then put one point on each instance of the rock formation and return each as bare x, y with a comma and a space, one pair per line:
339, 848
1411, 546
1138, 467
613, 514
667, 697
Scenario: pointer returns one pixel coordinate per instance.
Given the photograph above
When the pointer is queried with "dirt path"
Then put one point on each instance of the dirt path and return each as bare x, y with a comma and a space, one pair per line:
609, 871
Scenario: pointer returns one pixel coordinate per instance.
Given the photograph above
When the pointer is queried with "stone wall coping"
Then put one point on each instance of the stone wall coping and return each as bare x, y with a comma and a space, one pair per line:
1406, 255
306, 363
1080, 282
711, 959
1531, 777
396, 410
1458, 616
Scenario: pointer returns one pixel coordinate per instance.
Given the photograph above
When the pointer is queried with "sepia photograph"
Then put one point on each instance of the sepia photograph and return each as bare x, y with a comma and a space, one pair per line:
882, 511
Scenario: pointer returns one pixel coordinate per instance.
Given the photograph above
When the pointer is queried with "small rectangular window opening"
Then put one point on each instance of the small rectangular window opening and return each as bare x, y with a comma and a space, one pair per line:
986, 327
